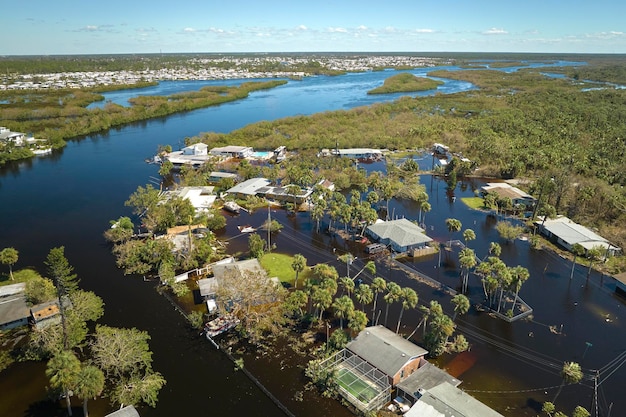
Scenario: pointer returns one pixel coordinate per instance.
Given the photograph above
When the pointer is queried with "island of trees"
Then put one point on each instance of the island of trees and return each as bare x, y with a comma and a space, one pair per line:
405, 83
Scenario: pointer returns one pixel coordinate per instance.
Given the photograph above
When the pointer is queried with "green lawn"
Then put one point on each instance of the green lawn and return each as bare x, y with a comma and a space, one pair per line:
355, 385
22, 275
473, 202
279, 265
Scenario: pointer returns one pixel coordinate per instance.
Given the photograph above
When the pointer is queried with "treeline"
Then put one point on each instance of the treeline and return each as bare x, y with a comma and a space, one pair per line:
61, 114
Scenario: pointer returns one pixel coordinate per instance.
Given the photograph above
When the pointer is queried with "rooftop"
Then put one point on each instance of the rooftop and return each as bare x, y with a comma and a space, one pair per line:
401, 231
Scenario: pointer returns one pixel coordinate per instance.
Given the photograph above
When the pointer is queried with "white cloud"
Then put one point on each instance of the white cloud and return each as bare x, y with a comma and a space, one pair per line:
189, 30
424, 31
302, 27
362, 27
495, 31
337, 30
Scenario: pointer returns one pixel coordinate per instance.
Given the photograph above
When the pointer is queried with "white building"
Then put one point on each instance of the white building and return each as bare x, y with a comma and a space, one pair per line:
232, 151
567, 233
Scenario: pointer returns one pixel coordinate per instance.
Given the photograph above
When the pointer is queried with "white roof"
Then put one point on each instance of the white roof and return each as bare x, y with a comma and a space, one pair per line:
249, 187
572, 233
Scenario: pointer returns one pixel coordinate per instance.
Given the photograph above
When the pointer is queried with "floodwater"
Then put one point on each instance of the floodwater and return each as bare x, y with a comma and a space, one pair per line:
69, 197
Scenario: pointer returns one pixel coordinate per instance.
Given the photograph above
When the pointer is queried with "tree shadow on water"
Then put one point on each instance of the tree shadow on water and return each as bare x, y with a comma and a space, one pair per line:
49, 408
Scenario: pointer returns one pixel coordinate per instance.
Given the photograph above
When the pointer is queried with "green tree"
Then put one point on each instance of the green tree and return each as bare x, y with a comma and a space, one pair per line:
468, 235
461, 305
570, 374
295, 302
63, 370
89, 384
394, 292
344, 308
378, 285
9, 256
256, 244
358, 321
322, 299
65, 281
298, 264
120, 231
409, 299
594, 255
348, 285
508, 231
580, 412
453, 225
467, 260
39, 290
364, 295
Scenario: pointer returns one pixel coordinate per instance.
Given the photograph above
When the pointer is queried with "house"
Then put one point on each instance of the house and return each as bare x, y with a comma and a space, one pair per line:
446, 400
193, 155
45, 314
389, 352
504, 190
17, 138
248, 188
440, 149
232, 152
128, 411
363, 154
216, 176
200, 197
284, 194
567, 233
13, 309
402, 235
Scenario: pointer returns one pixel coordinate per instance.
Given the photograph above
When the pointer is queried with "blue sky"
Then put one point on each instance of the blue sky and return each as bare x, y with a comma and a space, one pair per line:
137, 26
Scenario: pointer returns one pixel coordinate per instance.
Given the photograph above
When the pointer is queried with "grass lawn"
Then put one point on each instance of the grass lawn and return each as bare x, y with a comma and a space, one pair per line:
22, 275
355, 385
473, 202
279, 265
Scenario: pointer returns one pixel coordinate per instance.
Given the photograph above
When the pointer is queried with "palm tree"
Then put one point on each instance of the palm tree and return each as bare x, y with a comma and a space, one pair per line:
570, 374
9, 256
424, 207
520, 276
298, 264
347, 284
468, 234
317, 212
358, 321
461, 305
594, 255
89, 384
409, 300
344, 308
577, 250
453, 225
63, 370
322, 299
378, 285
467, 260
364, 295
495, 249
393, 294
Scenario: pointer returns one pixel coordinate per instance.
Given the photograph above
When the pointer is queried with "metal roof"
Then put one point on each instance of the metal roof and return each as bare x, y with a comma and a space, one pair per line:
402, 232
384, 349
249, 187
572, 233
445, 400
426, 377
128, 411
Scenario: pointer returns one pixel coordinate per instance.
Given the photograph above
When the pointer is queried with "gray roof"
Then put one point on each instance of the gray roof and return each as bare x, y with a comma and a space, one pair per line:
249, 187
13, 308
12, 289
426, 377
208, 286
240, 267
384, 349
402, 232
449, 401
128, 411
572, 233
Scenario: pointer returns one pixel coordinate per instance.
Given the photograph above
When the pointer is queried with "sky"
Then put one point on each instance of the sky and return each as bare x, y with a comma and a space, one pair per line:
52, 27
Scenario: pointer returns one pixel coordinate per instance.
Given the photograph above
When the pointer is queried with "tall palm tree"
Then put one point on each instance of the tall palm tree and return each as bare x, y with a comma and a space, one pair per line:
322, 299
378, 285
425, 207
409, 299
461, 305
358, 321
298, 264
453, 225
63, 370
347, 284
89, 384
468, 234
577, 250
393, 294
364, 295
520, 276
570, 374
344, 308
467, 260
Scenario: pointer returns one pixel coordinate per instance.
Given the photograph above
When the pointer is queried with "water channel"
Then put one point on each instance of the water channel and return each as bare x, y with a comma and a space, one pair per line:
69, 197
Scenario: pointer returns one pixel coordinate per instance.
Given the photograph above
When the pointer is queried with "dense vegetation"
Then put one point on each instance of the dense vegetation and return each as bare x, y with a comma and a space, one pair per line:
405, 83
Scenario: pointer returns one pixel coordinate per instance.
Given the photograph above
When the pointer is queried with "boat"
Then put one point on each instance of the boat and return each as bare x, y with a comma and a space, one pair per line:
220, 325
246, 229
232, 207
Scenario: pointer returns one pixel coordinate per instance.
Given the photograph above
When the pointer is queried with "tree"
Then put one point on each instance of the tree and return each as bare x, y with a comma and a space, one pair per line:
89, 384
9, 256
425, 207
295, 302
409, 299
453, 225
467, 260
394, 292
570, 374
120, 231
348, 285
508, 231
322, 299
577, 250
65, 281
468, 234
378, 285
256, 244
63, 370
364, 295
39, 290
519, 276
594, 255
298, 264
344, 308
580, 412
357, 322
461, 305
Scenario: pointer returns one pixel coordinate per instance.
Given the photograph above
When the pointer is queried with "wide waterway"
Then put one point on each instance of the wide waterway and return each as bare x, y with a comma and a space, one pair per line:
68, 199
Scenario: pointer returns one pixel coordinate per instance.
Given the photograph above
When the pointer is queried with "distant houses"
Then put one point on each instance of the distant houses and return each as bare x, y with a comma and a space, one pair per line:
198, 154
233, 152
200, 197
361, 154
502, 190
262, 187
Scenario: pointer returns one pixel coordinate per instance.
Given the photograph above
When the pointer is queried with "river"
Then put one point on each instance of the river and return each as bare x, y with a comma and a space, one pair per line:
69, 197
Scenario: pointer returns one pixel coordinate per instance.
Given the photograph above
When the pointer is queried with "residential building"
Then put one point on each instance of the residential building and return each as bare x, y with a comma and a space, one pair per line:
194, 155
200, 197
401, 234
567, 233
232, 151
248, 188
503, 190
